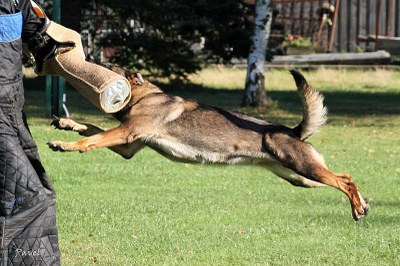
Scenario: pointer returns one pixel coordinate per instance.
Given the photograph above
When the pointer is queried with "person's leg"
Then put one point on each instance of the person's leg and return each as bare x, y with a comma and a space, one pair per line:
27, 210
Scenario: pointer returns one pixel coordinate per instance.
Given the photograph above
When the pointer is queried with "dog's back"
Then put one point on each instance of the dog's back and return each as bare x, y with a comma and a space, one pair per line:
193, 132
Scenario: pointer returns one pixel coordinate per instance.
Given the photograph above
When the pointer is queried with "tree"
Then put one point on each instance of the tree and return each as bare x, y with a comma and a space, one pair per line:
254, 93
156, 36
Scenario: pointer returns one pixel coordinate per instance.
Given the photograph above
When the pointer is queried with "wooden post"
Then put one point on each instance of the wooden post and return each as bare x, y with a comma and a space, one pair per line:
332, 35
397, 19
358, 21
350, 21
377, 24
55, 85
389, 17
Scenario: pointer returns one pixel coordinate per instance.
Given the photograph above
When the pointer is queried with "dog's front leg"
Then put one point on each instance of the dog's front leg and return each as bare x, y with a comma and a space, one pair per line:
125, 150
113, 137
70, 125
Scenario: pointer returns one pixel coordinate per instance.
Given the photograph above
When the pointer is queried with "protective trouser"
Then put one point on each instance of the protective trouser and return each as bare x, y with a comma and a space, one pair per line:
28, 233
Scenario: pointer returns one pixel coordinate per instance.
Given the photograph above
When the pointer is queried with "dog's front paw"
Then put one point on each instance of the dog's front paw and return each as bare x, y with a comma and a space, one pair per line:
67, 124
56, 145
65, 146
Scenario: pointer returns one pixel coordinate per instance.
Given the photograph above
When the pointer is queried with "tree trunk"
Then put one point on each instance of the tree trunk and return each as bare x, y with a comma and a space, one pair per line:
254, 93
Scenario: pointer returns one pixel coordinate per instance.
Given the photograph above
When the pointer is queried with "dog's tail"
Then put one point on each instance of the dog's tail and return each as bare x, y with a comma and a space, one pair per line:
314, 111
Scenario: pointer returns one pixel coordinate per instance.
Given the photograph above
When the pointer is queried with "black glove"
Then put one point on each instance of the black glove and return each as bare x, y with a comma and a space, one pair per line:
42, 47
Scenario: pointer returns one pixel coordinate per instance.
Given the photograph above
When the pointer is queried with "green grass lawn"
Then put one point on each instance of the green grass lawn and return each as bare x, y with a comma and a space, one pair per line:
150, 211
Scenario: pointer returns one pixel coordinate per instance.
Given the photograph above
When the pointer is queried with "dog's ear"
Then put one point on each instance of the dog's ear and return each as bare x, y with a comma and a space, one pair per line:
139, 78
135, 78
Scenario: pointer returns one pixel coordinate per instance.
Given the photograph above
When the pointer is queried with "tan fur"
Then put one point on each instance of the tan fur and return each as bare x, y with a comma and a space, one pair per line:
188, 131
314, 111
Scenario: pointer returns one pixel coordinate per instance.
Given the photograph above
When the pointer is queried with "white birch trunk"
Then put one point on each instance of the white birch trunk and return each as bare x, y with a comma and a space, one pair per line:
254, 94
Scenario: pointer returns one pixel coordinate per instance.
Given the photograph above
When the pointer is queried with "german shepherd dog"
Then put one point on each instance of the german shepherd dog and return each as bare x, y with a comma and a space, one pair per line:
189, 131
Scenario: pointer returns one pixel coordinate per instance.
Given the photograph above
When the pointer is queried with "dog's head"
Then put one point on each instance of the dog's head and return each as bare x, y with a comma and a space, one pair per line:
135, 79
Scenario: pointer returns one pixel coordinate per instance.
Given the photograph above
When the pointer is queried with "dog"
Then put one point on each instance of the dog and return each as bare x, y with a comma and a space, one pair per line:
189, 131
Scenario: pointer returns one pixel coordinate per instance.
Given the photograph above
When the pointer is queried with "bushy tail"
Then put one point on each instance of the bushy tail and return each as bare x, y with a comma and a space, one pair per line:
314, 112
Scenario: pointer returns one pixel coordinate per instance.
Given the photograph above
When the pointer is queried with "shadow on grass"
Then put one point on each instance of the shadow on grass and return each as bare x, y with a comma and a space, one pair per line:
361, 107
351, 103
346, 104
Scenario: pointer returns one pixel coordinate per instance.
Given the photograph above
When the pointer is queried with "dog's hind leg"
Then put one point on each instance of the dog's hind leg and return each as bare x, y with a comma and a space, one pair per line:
313, 174
344, 183
363, 201
313, 169
304, 160
125, 150
291, 176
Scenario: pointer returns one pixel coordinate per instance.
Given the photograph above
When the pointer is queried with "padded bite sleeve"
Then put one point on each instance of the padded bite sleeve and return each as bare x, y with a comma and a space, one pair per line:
105, 89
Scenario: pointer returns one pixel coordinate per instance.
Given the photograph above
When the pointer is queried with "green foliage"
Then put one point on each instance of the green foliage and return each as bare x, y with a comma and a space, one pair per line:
156, 36
297, 41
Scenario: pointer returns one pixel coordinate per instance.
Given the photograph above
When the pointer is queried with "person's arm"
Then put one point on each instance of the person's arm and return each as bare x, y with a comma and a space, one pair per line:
38, 46
32, 23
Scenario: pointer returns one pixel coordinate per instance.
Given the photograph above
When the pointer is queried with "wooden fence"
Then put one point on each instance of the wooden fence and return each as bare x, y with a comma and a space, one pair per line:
366, 18
358, 22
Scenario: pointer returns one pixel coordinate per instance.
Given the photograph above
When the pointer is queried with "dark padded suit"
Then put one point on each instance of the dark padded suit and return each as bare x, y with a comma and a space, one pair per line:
28, 233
